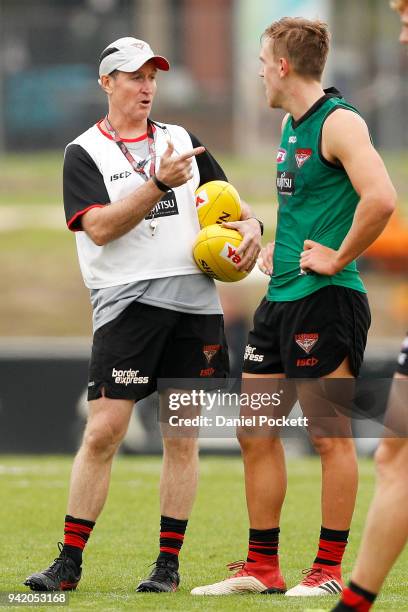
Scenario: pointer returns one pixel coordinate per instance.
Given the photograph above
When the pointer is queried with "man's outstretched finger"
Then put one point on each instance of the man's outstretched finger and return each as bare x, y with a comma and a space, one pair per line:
192, 153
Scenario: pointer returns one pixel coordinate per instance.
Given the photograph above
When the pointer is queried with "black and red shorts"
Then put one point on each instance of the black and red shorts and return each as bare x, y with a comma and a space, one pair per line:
310, 337
145, 343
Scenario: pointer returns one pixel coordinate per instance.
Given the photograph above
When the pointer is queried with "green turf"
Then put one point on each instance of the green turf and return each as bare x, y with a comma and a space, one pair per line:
33, 492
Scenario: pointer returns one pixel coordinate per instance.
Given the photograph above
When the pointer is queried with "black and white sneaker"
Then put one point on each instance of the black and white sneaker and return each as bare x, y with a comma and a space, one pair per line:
62, 575
164, 578
318, 581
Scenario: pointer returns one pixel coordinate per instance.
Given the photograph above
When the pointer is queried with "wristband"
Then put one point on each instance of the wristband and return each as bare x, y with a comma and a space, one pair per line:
261, 225
162, 186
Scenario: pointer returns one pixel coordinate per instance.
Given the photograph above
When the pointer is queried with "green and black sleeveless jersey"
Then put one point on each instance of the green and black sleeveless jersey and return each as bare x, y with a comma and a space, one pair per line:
316, 202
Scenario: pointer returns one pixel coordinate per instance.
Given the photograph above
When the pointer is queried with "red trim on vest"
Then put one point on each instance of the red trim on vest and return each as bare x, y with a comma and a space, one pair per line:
79, 214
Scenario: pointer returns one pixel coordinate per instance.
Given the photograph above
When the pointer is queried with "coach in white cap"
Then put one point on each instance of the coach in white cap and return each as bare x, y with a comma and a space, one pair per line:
129, 186
129, 54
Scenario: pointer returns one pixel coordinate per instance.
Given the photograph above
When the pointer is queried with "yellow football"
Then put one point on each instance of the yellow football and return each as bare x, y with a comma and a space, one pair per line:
217, 202
215, 253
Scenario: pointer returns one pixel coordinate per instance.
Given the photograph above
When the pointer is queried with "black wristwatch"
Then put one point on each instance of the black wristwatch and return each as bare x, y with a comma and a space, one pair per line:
261, 225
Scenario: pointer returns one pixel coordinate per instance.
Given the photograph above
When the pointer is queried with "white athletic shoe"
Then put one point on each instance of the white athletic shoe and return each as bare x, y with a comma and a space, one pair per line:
250, 578
318, 581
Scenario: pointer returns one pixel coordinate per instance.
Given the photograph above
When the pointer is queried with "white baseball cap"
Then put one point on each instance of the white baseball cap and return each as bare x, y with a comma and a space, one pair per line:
129, 54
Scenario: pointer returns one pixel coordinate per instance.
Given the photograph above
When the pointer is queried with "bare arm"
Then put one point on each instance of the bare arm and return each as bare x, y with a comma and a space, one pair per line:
110, 222
346, 140
250, 230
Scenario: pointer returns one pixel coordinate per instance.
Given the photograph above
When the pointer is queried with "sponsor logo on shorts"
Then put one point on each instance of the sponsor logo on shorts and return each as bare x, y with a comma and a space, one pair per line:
285, 183
292, 139
250, 354
310, 362
207, 372
229, 253
281, 156
210, 350
302, 155
165, 207
306, 341
129, 377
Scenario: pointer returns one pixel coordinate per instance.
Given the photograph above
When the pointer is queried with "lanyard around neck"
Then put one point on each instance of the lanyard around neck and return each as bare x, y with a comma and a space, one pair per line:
138, 167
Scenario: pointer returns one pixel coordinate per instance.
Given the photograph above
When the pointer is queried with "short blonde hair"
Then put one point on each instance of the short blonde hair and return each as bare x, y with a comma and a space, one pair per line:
305, 44
399, 5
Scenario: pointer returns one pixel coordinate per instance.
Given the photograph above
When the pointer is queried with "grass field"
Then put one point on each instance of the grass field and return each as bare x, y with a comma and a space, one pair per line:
33, 493
43, 292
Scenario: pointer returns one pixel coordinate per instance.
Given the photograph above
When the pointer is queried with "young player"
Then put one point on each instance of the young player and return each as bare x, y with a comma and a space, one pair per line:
335, 198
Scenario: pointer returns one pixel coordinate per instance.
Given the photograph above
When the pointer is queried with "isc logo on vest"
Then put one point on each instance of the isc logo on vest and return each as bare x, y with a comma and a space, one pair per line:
120, 175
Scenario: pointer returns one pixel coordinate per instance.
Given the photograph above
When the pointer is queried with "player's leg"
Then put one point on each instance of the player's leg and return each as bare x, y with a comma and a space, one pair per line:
264, 464
107, 424
329, 332
196, 350
339, 477
386, 527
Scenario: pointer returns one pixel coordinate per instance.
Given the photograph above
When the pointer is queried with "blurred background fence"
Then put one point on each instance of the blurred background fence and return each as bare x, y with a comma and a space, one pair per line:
49, 93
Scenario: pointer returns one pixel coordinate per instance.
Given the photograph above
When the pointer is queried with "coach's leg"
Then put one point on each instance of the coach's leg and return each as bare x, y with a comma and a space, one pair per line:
265, 474
107, 424
178, 486
179, 477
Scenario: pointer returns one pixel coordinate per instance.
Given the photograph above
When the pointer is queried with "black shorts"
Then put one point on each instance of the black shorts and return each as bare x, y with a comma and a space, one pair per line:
402, 367
145, 343
310, 337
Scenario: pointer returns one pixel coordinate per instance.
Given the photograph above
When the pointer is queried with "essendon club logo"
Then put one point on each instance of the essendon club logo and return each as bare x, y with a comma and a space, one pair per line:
302, 155
281, 156
210, 350
306, 341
